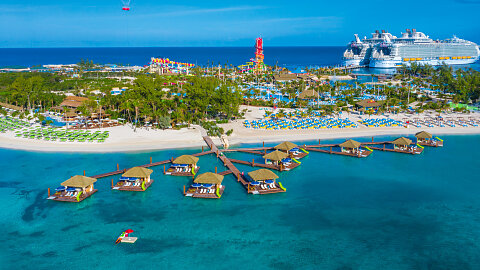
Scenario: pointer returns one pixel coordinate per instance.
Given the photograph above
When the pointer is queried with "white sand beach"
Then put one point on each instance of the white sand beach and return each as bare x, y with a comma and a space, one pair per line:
124, 138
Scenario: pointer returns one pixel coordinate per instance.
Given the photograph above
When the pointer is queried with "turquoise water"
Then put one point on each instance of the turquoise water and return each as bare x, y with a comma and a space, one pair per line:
388, 211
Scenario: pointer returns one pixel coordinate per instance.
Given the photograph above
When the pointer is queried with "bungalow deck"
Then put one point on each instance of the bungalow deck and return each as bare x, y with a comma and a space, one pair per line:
120, 186
259, 190
60, 197
432, 144
413, 151
195, 193
291, 166
362, 154
171, 171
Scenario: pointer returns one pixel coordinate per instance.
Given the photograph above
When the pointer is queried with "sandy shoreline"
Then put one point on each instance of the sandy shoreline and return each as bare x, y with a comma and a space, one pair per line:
125, 139
144, 140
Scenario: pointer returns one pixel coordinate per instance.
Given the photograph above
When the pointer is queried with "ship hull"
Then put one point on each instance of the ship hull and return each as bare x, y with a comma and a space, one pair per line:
375, 63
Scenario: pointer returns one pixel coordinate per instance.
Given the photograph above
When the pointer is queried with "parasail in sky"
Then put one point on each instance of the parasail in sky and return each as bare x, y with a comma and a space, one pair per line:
126, 5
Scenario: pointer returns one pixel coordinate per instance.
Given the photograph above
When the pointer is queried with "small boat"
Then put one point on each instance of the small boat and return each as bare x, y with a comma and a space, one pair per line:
123, 235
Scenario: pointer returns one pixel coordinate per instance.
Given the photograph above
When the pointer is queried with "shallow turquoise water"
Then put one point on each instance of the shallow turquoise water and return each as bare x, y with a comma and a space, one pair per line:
388, 211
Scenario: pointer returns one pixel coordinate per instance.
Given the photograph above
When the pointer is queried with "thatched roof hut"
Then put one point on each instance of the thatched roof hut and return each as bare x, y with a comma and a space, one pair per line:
365, 104
262, 175
276, 155
209, 178
79, 181
308, 94
402, 141
350, 144
285, 146
423, 135
138, 172
186, 159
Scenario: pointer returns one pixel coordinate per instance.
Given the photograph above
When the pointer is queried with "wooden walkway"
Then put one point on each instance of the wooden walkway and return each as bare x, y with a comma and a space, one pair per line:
226, 161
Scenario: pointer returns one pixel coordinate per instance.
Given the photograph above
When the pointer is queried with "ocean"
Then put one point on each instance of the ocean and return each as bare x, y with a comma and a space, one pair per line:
387, 211
295, 58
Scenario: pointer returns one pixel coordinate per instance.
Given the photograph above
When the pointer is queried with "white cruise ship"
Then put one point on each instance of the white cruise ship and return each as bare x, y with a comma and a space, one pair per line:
411, 47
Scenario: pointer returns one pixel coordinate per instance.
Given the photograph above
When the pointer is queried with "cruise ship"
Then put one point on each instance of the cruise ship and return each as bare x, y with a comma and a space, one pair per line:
384, 50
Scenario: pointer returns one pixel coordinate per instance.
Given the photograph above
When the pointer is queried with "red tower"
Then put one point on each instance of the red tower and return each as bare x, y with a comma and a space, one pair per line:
259, 54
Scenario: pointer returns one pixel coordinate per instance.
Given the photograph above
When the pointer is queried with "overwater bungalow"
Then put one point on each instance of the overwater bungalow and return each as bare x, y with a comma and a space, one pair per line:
426, 139
185, 165
135, 179
75, 189
263, 182
206, 185
404, 145
292, 150
352, 148
280, 161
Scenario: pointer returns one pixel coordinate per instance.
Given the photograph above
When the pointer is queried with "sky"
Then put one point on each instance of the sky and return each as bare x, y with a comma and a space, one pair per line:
187, 23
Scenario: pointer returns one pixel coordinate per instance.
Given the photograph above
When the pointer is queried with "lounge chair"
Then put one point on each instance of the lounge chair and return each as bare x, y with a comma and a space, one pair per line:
212, 190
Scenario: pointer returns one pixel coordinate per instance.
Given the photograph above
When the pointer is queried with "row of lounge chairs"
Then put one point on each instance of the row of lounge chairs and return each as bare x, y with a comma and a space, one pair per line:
134, 184
8, 123
206, 191
51, 134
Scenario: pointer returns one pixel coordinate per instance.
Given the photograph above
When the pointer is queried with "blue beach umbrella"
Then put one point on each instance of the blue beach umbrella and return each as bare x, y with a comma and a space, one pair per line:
254, 183
195, 185
60, 189
207, 185
71, 189
269, 181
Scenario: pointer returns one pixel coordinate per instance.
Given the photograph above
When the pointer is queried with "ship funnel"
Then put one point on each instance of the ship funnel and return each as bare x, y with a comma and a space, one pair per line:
357, 39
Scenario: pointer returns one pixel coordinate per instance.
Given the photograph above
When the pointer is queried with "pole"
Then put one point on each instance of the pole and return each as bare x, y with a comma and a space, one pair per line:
183, 190
372, 139
150, 160
215, 169
48, 192
253, 162
112, 182
118, 167
202, 148
163, 168
83, 172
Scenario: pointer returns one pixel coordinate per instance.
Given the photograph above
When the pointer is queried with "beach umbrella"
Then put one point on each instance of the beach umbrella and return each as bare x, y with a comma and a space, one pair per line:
71, 189
129, 231
207, 185
269, 181
195, 185
60, 189
254, 183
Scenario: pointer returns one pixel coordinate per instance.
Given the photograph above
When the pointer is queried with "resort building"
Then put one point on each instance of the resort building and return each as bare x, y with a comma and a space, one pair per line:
206, 185
280, 161
426, 139
135, 179
263, 182
185, 165
75, 189
352, 147
403, 144
292, 150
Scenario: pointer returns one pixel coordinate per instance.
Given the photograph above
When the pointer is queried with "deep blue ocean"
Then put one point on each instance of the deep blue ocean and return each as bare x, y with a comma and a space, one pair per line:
294, 58
387, 211
300, 56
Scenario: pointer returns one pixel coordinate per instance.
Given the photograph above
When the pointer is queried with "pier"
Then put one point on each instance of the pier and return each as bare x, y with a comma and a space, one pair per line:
291, 151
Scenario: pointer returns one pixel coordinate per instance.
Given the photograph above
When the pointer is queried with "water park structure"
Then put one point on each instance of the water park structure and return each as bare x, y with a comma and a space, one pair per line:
256, 65
169, 67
